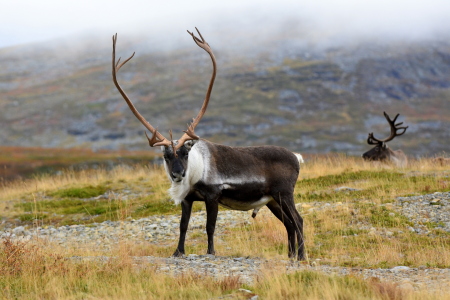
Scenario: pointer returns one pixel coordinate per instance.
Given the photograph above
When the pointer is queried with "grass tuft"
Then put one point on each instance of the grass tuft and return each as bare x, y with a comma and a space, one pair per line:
350, 219
80, 192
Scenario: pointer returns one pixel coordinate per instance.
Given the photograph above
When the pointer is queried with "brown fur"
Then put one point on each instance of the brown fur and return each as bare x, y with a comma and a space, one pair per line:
240, 178
385, 154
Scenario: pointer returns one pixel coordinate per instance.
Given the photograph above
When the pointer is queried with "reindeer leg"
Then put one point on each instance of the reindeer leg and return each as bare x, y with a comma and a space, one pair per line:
276, 209
300, 240
212, 209
288, 207
186, 208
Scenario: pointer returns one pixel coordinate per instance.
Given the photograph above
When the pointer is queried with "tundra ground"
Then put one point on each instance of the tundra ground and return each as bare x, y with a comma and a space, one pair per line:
355, 214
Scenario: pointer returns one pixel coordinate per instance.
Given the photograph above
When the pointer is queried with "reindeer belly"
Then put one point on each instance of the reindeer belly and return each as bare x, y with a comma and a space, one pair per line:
237, 196
244, 205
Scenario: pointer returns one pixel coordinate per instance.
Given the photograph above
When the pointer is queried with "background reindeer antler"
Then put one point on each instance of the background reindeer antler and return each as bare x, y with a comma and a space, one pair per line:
371, 140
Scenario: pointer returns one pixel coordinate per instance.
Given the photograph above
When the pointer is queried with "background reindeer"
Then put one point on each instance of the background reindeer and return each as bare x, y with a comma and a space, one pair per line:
381, 151
239, 178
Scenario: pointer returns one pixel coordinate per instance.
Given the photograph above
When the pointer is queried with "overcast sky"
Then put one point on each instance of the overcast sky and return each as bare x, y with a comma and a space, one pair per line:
26, 21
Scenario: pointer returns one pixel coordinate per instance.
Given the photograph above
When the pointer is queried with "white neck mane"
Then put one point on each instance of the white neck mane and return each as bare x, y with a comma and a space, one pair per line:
179, 190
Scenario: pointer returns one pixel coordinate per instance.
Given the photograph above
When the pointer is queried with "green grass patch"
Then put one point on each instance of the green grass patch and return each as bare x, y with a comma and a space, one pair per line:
68, 208
160, 208
379, 186
80, 192
323, 188
346, 177
31, 217
151, 206
382, 217
432, 225
67, 211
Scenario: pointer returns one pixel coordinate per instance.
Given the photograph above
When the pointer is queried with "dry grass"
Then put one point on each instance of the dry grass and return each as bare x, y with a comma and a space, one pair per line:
45, 272
27, 196
322, 165
22, 162
333, 236
70, 178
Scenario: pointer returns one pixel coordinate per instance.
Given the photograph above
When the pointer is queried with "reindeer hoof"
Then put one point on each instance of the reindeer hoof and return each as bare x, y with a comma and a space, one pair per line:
177, 253
301, 256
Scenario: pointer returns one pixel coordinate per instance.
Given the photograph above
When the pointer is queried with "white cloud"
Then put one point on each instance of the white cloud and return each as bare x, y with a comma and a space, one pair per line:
24, 21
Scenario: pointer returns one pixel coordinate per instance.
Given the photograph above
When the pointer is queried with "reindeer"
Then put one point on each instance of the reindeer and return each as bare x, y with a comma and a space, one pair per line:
381, 151
239, 178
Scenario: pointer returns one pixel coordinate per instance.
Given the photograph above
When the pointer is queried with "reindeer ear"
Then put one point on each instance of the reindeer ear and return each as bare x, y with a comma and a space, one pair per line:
383, 145
189, 144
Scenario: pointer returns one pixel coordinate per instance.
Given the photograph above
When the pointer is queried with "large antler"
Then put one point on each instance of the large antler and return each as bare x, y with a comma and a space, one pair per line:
157, 138
371, 140
189, 134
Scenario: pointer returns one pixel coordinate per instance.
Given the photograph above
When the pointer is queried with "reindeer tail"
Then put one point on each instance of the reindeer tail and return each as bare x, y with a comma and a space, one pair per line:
299, 157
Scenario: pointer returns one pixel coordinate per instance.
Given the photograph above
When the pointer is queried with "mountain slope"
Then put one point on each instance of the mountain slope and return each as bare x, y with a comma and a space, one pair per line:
310, 99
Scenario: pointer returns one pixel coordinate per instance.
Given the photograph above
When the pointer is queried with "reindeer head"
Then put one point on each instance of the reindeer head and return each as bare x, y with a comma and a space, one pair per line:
176, 152
176, 161
381, 150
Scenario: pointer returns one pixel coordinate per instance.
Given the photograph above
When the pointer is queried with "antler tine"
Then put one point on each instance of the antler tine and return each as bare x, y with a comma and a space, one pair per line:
196, 39
154, 140
118, 61
124, 62
198, 31
394, 129
171, 143
157, 138
400, 128
371, 140
189, 134
114, 52
389, 119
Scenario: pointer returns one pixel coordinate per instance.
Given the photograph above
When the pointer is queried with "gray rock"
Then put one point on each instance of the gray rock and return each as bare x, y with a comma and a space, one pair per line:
400, 269
345, 188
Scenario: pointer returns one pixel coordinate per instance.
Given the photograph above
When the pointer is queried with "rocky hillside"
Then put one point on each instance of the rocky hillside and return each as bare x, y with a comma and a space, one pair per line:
304, 97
